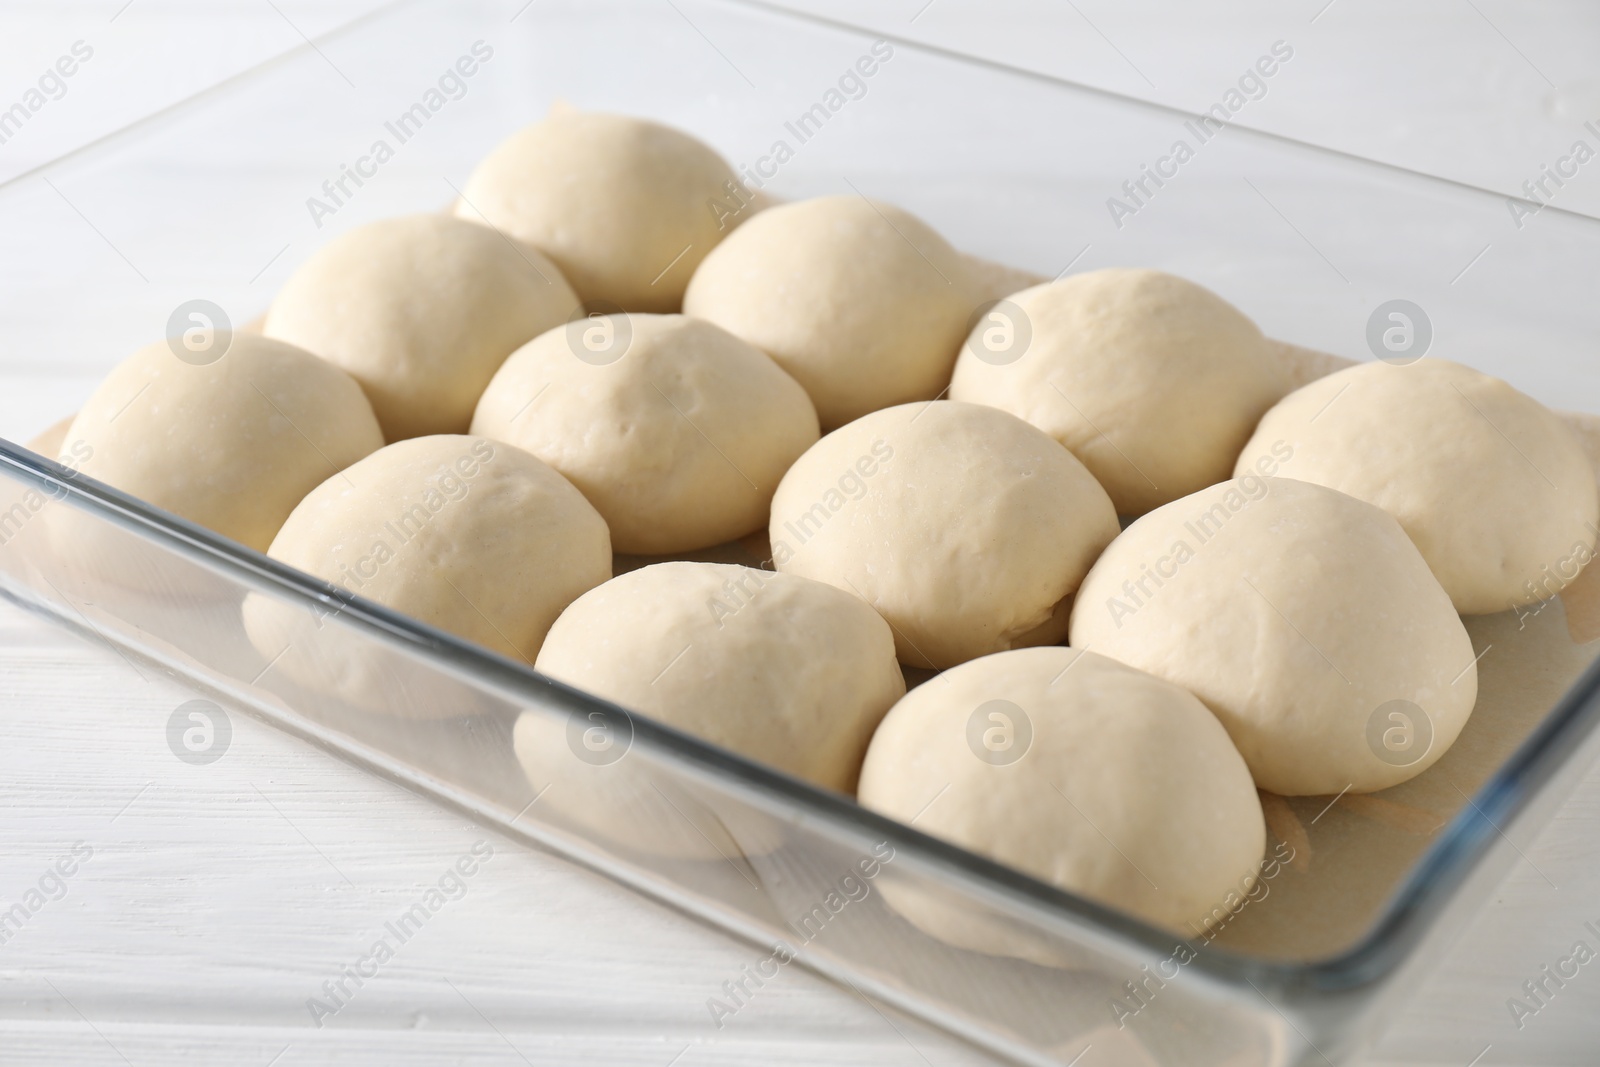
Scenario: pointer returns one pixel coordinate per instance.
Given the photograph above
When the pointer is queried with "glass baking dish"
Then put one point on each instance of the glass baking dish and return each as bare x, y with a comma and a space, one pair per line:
220, 197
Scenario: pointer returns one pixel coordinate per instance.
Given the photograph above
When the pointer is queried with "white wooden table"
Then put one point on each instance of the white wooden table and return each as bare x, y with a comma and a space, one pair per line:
216, 900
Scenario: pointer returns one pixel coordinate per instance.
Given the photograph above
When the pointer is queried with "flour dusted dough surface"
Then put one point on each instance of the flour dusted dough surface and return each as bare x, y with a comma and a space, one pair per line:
1095, 777
677, 431
862, 302
1494, 488
1295, 613
784, 670
232, 444
625, 207
1153, 382
422, 310
964, 526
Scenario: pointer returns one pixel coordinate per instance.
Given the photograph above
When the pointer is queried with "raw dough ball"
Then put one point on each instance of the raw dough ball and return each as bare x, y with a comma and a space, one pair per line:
676, 430
30, 528
627, 208
862, 302
232, 444
1152, 381
779, 669
422, 310
1303, 617
589, 773
965, 527
472, 536
48, 442
1082, 772
1493, 487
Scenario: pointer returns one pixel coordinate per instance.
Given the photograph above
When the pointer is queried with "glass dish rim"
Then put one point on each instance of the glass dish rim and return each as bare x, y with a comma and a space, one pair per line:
1405, 919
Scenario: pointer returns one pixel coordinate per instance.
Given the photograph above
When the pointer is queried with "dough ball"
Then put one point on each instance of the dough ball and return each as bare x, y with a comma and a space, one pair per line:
232, 444
947, 913
30, 524
48, 442
589, 774
1152, 381
782, 670
965, 527
862, 302
470, 535
422, 310
627, 208
1087, 774
1305, 618
1493, 487
676, 430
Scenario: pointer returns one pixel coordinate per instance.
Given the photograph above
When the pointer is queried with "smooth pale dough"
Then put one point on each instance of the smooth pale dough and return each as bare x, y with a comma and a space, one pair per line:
1294, 612
780, 669
627, 797
470, 535
679, 443
964, 526
232, 445
422, 310
1493, 487
1152, 381
862, 302
627, 208
1126, 790
48, 441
